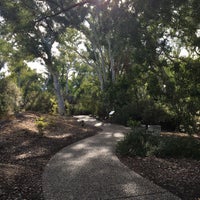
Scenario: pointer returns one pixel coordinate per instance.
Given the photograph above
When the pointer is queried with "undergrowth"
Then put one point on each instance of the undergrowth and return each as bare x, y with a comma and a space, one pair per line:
138, 143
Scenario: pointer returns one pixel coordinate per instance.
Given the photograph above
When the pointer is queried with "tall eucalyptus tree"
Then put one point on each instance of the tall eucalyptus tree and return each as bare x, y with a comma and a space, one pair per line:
33, 26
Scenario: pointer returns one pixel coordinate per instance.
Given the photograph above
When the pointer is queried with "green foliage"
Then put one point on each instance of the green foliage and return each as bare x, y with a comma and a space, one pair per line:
153, 113
145, 111
41, 102
178, 147
53, 105
69, 108
133, 144
133, 123
138, 143
123, 114
10, 97
41, 124
133, 50
87, 94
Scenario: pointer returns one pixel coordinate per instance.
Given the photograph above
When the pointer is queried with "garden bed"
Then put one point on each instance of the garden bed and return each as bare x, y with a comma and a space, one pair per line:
168, 166
24, 151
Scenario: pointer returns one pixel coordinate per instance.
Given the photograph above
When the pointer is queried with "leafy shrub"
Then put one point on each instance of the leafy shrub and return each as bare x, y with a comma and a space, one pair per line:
69, 108
188, 123
124, 113
10, 97
133, 123
178, 147
170, 123
153, 113
42, 102
41, 124
133, 144
137, 143
145, 111
54, 106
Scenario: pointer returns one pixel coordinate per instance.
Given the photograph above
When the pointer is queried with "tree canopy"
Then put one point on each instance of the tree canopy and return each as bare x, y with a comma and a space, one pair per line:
122, 55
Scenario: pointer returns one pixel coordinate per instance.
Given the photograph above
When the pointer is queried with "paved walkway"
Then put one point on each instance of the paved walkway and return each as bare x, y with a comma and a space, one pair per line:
89, 170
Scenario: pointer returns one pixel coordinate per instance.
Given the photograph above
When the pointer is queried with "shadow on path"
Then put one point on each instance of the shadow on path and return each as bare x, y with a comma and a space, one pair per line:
89, 170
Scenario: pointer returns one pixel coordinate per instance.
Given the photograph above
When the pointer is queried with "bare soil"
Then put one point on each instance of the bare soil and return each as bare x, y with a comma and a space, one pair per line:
24, 151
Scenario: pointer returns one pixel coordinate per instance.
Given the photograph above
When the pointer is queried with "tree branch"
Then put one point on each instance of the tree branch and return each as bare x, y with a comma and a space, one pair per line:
64, 10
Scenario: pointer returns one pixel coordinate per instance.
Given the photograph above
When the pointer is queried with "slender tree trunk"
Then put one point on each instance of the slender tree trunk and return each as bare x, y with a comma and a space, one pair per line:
19, 79
57, 89
112, 62
95, 66
60, 100
66, 84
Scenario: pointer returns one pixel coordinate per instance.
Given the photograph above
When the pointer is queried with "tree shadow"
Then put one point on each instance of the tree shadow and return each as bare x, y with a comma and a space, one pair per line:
24, 154
90, 170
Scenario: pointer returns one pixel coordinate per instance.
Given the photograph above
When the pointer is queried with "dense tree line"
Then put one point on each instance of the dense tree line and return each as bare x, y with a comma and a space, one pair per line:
113, 55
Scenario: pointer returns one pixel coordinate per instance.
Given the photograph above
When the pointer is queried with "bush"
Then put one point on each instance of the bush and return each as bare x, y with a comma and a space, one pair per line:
125, 113
153, 114
41, 124
133, 123
42, 102
138, 143
133, 144
146, 111
10, 97
178, 147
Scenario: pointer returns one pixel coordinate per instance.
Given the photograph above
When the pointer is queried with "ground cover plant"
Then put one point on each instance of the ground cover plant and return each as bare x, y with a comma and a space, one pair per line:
171, 160
138, 143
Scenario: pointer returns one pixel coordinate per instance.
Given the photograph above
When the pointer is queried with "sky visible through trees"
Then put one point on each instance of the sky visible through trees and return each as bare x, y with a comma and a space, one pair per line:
140, 58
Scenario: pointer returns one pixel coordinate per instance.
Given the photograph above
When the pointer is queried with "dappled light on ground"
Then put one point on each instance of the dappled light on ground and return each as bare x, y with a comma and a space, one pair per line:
89, 169
60, 136
24, 151
98, 124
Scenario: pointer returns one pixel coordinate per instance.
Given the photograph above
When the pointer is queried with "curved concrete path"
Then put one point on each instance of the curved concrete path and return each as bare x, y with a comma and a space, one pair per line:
89, 170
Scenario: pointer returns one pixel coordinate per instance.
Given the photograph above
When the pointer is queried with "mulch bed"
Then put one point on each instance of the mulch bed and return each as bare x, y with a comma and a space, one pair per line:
24, 152
179, 176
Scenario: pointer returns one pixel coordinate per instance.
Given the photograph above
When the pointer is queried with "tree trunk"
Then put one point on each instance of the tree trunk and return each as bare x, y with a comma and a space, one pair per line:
111, 60
60, 100
66, 84
57, 90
